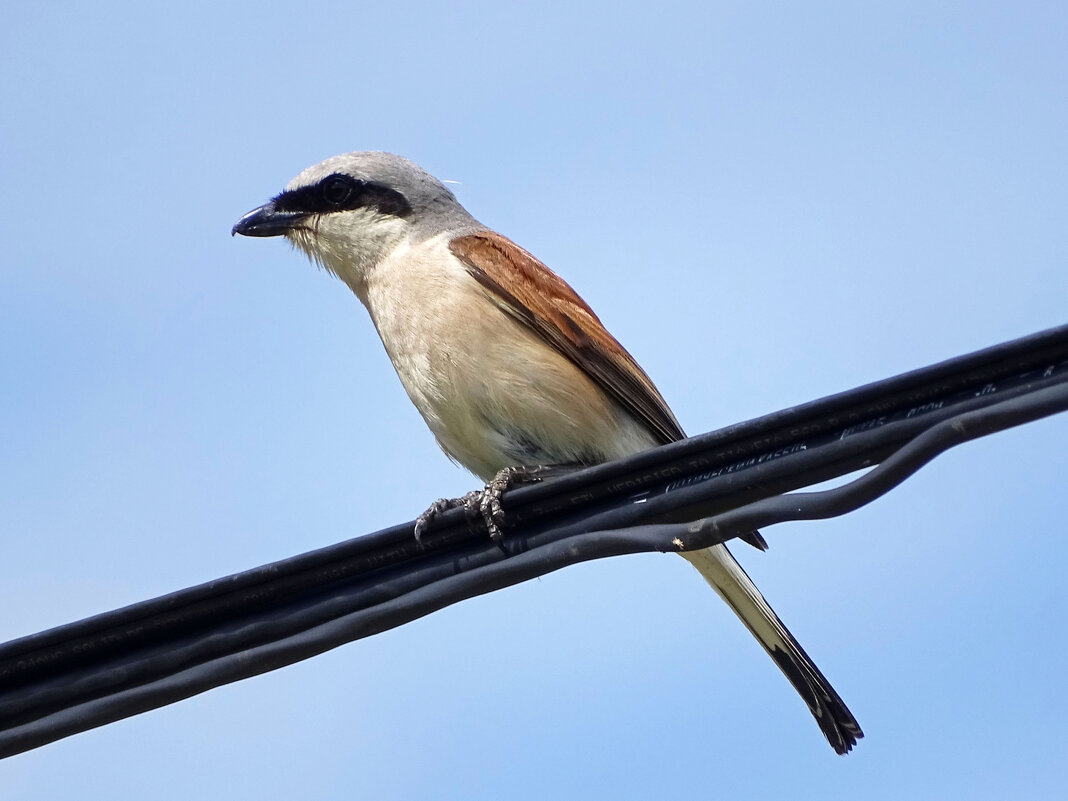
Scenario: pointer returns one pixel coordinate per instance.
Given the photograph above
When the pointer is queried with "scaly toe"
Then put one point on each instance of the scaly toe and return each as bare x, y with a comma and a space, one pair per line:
425, 521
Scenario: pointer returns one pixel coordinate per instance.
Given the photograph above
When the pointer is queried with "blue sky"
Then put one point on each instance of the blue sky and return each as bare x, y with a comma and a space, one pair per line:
766, 204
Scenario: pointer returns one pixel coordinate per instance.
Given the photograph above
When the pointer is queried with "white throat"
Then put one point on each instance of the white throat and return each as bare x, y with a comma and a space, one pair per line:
351, 245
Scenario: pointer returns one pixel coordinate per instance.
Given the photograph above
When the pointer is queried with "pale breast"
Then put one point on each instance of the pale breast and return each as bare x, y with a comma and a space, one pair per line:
493, 392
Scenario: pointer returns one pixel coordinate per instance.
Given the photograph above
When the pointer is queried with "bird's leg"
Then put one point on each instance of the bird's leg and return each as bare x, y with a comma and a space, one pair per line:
489, 503
484, 504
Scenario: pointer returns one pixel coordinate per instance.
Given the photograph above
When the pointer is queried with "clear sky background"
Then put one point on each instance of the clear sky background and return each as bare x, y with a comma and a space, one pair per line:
766, 204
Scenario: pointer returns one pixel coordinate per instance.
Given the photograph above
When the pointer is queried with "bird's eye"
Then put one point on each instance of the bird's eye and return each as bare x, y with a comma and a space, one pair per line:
337, 190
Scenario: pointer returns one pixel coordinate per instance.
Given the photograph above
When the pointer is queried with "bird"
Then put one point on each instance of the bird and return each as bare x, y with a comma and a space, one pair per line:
507, 364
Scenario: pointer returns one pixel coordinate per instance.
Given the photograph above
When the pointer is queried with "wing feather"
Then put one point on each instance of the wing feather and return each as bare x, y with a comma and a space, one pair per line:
536, 296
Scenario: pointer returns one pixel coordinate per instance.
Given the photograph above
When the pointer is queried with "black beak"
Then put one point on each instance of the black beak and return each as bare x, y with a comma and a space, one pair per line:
267, 221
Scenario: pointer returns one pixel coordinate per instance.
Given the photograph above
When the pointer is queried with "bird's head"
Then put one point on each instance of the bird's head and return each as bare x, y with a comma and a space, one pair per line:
350, 211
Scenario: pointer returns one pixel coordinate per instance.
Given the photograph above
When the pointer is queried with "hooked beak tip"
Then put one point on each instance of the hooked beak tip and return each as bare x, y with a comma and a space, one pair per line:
267, 221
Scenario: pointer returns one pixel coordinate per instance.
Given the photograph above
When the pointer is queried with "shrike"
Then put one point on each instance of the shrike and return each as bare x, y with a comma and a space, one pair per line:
506, 363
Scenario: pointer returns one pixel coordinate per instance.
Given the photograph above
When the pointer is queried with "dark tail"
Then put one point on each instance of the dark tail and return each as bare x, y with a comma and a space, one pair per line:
726, 576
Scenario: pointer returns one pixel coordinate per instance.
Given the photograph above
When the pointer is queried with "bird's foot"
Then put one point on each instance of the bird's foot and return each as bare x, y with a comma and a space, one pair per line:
425, 521
484, 504
489, 504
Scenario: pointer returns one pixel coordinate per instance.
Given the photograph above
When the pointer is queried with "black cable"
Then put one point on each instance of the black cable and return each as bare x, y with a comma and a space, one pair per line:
89, 673
913, 396
874, 484
539, 559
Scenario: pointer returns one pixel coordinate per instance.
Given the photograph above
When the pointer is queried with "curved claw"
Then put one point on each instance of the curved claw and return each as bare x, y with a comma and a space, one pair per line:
425, 521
